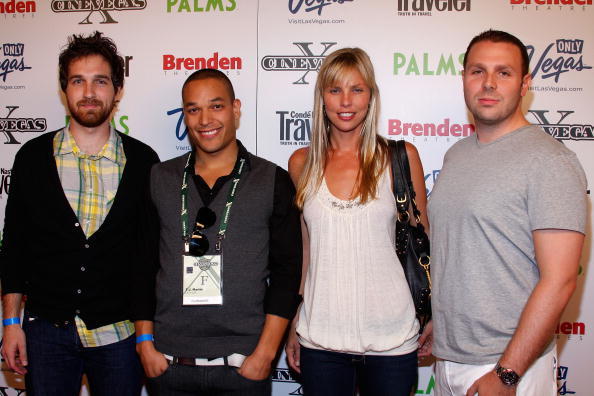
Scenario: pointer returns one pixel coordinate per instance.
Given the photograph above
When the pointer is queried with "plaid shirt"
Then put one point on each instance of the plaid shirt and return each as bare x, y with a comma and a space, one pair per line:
90, 183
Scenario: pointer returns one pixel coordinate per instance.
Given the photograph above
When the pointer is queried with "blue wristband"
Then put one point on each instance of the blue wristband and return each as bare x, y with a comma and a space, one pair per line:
144, 337
11, 321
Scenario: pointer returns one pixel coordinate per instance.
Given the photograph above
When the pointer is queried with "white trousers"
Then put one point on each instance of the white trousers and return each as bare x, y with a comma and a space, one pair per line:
454, 379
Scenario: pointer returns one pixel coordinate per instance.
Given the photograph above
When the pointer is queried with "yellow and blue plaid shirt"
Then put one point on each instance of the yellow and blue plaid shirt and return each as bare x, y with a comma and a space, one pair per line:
90, 182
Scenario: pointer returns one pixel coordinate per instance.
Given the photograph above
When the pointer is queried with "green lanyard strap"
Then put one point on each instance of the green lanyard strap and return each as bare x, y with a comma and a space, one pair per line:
185, 221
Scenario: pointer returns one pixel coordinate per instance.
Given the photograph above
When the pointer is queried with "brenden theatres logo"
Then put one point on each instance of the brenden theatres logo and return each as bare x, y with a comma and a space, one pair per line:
11, 125
175, 64
445, 129
305, 63
312, 5
425, 7
571, 328
13, 59
538, 5
294, 127
201, 5
102, 7
427, 64
561, 129
17, 7
569, 57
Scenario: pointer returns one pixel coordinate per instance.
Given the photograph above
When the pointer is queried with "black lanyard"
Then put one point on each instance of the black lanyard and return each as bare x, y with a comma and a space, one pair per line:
185, 221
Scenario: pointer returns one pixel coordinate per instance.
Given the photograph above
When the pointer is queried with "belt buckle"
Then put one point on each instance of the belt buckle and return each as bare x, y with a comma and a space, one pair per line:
184, 361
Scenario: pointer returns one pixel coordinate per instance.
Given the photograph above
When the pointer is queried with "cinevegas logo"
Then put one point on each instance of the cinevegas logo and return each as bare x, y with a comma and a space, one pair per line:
102, 7
560, 129
306, 63
10, 125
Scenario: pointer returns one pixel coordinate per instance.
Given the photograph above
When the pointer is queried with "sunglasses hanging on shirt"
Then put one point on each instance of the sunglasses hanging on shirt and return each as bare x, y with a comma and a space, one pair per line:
198, 242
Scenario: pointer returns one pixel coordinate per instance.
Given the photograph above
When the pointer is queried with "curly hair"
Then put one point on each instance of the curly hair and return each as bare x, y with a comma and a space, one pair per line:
80, 46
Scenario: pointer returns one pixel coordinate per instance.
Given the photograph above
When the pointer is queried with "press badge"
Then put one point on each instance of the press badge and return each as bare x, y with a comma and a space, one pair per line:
202, 283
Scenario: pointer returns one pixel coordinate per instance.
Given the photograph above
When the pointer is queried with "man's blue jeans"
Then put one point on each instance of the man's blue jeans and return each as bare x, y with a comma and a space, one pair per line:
57, 361
327, 373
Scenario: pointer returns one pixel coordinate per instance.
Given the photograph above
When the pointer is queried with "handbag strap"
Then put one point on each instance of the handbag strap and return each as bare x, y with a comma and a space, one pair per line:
398, 184
404, 164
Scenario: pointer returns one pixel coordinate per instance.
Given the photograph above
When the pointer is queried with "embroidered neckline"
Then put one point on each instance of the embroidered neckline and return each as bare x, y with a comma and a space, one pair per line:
336, 203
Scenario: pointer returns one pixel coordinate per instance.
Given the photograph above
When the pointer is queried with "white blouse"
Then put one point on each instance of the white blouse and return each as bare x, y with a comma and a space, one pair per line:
356, 299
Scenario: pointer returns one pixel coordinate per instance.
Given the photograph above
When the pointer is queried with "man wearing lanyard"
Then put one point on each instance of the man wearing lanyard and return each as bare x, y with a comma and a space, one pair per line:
228, 273
72, 223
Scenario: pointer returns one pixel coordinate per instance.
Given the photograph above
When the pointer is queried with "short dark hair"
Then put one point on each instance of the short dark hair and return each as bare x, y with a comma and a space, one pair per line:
80, 46
204, 74
498, 36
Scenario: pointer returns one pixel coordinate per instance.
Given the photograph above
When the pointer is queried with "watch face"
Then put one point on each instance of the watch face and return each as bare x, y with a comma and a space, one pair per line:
509, 377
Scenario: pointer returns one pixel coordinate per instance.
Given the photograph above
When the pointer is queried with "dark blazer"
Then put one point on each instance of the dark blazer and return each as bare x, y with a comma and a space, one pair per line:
46, 255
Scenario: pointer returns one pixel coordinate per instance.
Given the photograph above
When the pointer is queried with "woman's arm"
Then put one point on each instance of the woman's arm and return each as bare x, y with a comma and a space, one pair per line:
292, 348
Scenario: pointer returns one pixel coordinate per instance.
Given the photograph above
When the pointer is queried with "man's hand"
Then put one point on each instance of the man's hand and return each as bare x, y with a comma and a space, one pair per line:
14, 348
255, 367
490, 385
293, 350
425, 341
153, 361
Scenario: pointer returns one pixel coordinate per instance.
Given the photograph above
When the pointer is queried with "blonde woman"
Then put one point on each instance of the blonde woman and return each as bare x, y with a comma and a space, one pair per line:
356, 327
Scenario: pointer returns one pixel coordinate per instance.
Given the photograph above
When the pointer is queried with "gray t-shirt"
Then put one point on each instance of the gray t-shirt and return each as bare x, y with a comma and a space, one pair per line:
486, 203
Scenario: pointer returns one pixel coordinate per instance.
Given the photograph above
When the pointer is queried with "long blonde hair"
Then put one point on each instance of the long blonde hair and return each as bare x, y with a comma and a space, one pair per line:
373, 148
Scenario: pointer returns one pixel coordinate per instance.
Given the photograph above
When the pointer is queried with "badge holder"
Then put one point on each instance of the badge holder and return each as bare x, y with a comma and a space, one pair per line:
203, 280
202, 277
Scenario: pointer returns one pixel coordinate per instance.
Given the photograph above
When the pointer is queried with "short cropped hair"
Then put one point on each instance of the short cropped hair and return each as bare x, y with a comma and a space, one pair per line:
80, 46
498, 36
204, 74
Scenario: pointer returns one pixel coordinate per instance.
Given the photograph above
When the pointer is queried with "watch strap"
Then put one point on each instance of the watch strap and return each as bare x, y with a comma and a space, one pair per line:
507, 376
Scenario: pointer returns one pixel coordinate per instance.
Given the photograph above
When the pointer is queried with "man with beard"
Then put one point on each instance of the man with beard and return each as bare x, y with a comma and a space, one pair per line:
72, 237
508, 216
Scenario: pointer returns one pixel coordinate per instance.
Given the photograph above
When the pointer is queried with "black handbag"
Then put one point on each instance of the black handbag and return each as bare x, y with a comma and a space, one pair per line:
412, 242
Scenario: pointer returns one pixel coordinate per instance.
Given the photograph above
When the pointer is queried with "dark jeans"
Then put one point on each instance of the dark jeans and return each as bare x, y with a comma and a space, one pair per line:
327, 373
180, 380
57, 361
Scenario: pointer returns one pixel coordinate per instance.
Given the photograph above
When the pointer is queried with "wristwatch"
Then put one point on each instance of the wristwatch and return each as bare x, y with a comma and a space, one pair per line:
508, 376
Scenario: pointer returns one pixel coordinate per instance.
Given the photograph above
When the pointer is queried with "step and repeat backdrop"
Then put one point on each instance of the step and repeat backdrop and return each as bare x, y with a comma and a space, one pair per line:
271, 50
